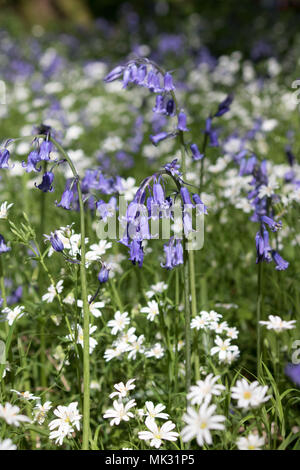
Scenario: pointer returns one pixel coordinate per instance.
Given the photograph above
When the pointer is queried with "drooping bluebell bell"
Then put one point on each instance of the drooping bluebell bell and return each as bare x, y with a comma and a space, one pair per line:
4, 158
114, 74
55, 241
103, 274
274, 226
200, 206
170, 107
66, 199
159, 105
106, 210
168, 82
45, 149
155, 139
263, 248
224, 106
181, 125
136, 252
3, 246
46, 184
32, 161
293, 372
211, 133
197, 155
281, 264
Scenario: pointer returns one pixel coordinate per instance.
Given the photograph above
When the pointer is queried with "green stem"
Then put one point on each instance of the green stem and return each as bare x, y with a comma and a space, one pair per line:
259, 315
86, 310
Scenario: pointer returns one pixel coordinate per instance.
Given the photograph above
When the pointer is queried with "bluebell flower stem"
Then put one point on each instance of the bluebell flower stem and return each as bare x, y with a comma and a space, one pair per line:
86, 310
259, 315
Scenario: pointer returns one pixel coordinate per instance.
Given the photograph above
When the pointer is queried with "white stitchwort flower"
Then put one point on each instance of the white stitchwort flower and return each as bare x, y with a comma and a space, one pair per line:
10, 414
40, 411
152, 310
123, 389
95, 307
120, 412
251, 442
201, 321
119, 323
25, 395
156, 351
68, 419
249, 394
53, 291
4, 208
157, 435
158, 288
155, 411
200, 422
7, 444
205, 389
80, 337
13, 314
277, 324
222, 348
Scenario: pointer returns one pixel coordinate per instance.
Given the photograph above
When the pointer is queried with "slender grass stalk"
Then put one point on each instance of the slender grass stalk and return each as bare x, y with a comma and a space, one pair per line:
86, 310
42, 322
259, 314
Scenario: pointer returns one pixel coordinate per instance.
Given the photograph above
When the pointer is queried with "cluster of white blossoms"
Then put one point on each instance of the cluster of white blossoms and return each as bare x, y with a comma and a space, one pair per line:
199, 421
120, 410
66, 423
211, 321
277, 324
127, 341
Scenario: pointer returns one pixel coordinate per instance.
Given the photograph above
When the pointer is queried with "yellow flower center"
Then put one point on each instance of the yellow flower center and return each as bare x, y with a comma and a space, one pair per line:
247, 395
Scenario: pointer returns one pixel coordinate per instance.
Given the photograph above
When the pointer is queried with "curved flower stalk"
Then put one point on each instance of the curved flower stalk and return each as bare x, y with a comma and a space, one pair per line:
41, 153
146, 73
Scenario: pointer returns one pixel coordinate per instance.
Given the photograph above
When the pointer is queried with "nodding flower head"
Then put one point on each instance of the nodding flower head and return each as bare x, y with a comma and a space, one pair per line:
281, 264
114, 74
4, 158
174, 254
45, 149
103, 274
263, 248
168, 82
181, 126
224, 106
197, 155
32, 161
3, 247
274, 226
55, 241
155, 139
136, 252
46, 184
66, 199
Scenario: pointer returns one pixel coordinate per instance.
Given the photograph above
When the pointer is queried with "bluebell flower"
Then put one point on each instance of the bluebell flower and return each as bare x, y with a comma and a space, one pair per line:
159, 105
271, 223
293, 372
114, 74
168, 82
170, 107
3, 247
155, 139
202, 209
224, 106
46, 184
281, 264
66, 199
4, 158
136, 252
45, 149
197, 155
181, 126
103, 274
55, 241
32, 161
185, 195
173, 167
